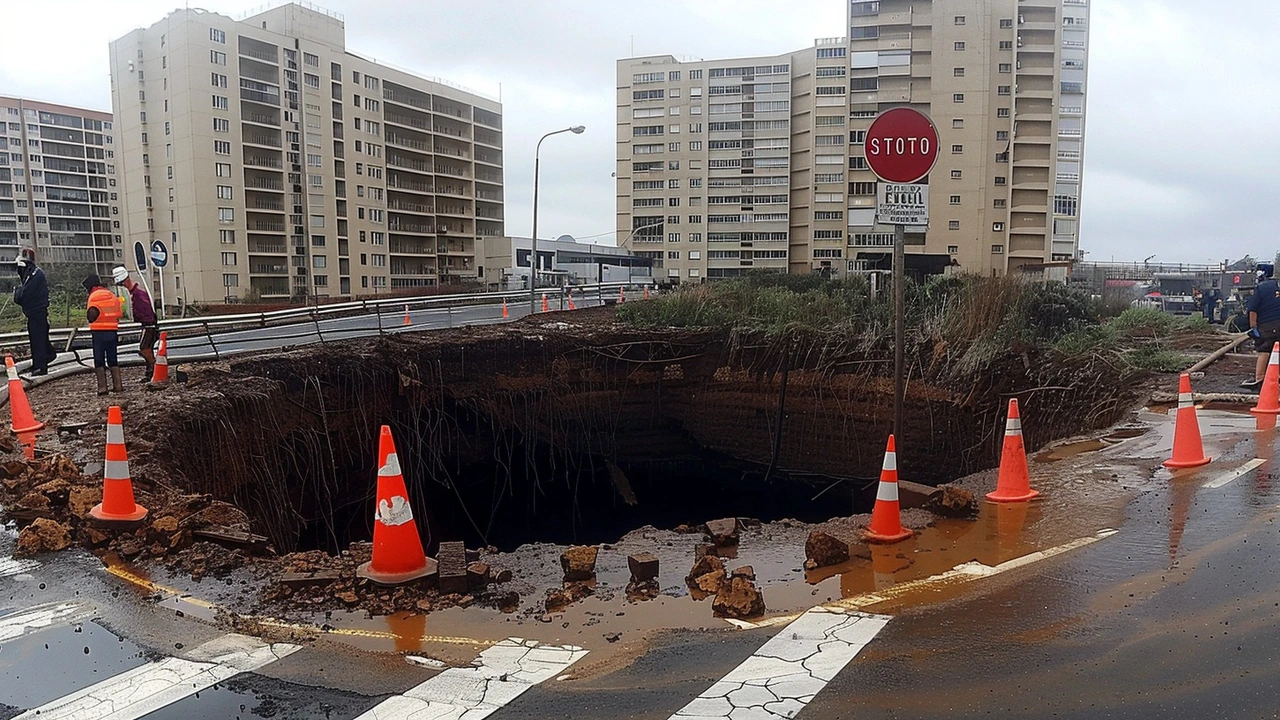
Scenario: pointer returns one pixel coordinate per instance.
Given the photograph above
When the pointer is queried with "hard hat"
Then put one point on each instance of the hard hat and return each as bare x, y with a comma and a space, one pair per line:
22, 261
119, 273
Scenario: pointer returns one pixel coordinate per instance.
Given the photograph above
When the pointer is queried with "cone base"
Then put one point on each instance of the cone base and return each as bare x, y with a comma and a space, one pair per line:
30, 428
999, 497
1260, 411
138, 513
366, 571
1180, 464
884, 539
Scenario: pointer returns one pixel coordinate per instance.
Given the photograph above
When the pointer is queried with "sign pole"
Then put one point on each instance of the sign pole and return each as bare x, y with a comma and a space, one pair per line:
899, 326
161, 292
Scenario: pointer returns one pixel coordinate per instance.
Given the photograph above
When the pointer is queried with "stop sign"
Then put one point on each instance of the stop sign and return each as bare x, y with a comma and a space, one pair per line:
902, 145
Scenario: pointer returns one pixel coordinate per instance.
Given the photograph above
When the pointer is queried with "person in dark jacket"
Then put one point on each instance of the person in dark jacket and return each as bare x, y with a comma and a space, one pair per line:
1264, 324
33, 297
144, 314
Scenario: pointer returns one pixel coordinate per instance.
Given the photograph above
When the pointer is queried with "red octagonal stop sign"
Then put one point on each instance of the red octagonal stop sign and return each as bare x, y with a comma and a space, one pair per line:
902, 145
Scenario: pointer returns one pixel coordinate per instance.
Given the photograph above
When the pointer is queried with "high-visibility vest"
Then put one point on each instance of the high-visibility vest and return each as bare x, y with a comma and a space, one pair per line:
109, 313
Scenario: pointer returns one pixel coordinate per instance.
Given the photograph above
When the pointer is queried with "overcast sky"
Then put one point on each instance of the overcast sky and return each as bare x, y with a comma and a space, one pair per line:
1181, 130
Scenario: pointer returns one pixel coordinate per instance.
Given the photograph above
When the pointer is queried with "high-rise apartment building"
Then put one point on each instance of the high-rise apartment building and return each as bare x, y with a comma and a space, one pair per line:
277, 164
726, 166
58, 194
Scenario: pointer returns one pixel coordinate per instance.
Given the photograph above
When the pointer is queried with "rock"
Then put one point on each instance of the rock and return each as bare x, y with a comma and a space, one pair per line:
701, 550
348, 597
507, 602
953, 502
823, 550
704, 565
96, 537
746, 571
709, 583
685, 530
560, 598
82, 498
478, 575
724, 533
43, 535
34, 501
644, 567
638, 592
739, 598
13, 469
503, 576
423, 605
613, 637
579, 563
166, 525
56, 490
473, 556
453, 568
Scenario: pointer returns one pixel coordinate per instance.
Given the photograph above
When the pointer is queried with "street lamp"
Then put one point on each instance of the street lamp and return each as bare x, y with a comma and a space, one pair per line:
533, 253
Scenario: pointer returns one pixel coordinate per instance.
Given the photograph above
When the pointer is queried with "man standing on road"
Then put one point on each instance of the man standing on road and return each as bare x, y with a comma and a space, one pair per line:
1264, 324
144, 313
103, 315
33, 297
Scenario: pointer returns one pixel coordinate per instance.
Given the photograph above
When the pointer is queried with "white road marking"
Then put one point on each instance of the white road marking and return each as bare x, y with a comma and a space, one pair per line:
789, 671
501, 674
148, 688
1228, 478
12, 566
34, 619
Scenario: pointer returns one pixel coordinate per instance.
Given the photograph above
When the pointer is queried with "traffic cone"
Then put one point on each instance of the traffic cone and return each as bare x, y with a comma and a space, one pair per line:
23, 420
1188, 448
545, 306
407, 321
1269, 398
571, 305
1014, 482
504, 309
622, 296
397, 549
117, 489
886, 519
646, 292
161, 374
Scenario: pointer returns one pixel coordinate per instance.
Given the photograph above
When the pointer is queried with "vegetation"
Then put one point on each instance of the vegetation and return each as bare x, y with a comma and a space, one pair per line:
67, 297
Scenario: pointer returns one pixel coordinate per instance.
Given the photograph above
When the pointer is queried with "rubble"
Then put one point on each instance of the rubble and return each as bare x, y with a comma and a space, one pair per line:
953, 502
644, 567
41, 536
823, 550
561, 598
579, 563
738, 598
724, 533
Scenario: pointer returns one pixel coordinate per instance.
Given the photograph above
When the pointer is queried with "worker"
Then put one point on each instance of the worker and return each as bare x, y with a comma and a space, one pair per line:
1264, 324
33, 297
143, 313
103, 315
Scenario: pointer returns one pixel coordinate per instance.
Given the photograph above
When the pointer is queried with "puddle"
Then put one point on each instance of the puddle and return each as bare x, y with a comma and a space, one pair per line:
1075, 449
253, 696
49, 664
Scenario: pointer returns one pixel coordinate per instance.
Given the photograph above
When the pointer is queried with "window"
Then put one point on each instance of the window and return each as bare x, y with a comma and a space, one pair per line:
997, 227
222, 169
1001, 180
695, 219
230, 280
673, 219
673, 165
319, 261
224, 192
830, 52
312, 60
674, 129
956, 174
217, 58
673, 254
998, 203
997, 249
954, 200
228, 259
695, 74
862, 189
694, 183
219, 102
957, 72
1064, 205
227, 237
226, 215
959, 46
828, 215
695, 145
1006, 24
222, 147
217, 36
858, 163
311, 80
1006, 67
860, 84
218, 80
957, 98
675, 146
317, 241
959, 19
1002, 112
1006, 44
953, 224
953, 249
673, 237
957, 149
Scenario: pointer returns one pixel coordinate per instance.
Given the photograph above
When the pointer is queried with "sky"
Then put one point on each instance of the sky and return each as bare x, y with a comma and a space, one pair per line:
1181, 143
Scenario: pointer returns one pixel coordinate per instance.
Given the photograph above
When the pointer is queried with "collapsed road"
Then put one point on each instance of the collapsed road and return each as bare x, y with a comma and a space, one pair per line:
519, 441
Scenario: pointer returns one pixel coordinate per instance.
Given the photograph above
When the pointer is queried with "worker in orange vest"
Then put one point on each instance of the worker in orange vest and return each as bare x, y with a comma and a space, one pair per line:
104, 315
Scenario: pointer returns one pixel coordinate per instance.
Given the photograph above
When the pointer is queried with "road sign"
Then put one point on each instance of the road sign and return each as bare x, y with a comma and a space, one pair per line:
159, 254
902, 204
902, 145
140, 255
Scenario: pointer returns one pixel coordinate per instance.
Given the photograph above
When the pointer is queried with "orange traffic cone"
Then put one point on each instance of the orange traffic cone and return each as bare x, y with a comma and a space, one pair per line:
1014, 482
397, 549
161, 373
407, 321
117, 489
23, 420
1269, 399
545, 306
504, 309
622, 296
570, 296
1188, 448
886, 518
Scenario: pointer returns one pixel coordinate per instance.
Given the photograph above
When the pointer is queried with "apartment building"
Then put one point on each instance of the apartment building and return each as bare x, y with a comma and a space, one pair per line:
726, 166
278, 164
58, 194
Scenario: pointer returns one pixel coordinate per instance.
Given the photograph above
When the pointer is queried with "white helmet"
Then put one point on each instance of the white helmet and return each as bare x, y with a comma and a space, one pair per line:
119, 273
22, 261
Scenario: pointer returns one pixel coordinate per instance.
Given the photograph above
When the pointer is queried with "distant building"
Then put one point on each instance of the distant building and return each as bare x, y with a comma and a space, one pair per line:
505, 263
278, 164
58, 194
732, 165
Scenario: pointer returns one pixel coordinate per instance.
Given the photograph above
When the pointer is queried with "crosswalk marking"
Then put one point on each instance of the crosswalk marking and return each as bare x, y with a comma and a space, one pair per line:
789, 670
17, 624
12, 566
501, 674
144, 689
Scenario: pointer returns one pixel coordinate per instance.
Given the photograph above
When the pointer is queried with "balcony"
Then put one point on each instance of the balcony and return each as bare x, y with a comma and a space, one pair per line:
264, 184
451, 152
266, 248
453, 170
486, 137
259, 51
260, 118
406, 97
406, 246
263, 140
262, 161
455, 190
489, 158
260, 97
410, 207
443, 129
490, 119
410, 227
407, 121
400, 184
259, 204
268, 268
415, 165
406, 142
266, 226
488, 196
269, 287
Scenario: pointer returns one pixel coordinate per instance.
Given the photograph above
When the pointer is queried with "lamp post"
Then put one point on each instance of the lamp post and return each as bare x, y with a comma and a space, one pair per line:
533, 252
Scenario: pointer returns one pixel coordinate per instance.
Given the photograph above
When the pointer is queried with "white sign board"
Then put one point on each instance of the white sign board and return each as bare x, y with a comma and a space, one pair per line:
902, 204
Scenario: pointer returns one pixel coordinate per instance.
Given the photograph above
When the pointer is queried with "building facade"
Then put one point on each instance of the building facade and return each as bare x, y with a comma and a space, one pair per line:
58, 194
504, 262
277, 164
726, 166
